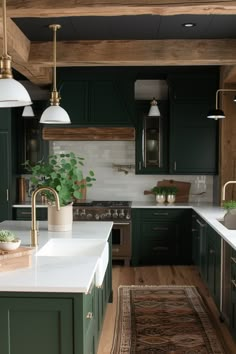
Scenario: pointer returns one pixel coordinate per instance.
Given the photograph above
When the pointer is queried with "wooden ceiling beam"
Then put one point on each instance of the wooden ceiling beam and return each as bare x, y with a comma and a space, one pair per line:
136, 53
61, 8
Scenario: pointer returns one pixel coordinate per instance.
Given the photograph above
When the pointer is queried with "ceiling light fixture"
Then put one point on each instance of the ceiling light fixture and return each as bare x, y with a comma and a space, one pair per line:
28, 112
218, 113
55, 114
12, 93
154, 110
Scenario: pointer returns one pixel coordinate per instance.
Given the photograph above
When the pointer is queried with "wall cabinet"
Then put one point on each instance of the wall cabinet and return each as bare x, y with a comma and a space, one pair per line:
31, 146
101, 102
161, 236
193, 137
151, 139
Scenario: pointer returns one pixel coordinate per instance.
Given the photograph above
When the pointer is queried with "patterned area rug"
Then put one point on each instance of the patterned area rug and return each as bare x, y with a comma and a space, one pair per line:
163, 319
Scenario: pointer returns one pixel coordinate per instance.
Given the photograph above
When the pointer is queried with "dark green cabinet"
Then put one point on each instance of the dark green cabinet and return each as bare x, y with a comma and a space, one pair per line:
7, 174
99, 102
232, 292
161, 236
195, 240
199, 248
213, 263
25, 213
151, 139
193, 137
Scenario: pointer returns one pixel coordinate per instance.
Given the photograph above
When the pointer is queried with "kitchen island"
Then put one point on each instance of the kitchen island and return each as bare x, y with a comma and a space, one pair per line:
55, 306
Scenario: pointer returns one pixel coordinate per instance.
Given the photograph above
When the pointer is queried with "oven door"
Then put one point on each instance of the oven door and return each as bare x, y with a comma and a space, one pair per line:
121, 240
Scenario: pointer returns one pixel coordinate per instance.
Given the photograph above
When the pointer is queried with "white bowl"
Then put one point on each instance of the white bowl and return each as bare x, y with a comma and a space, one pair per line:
9, 246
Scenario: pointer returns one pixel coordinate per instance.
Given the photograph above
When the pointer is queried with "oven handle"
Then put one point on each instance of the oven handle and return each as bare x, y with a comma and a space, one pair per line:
121, 223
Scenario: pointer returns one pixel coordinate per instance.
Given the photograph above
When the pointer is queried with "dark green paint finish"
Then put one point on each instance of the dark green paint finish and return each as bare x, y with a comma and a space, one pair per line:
106, 102
25, 213
161, 236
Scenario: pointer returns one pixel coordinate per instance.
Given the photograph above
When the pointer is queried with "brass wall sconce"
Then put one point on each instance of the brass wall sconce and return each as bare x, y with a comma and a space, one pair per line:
217, 113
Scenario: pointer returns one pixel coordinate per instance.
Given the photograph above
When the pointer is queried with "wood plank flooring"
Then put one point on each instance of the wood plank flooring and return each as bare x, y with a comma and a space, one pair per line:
159, 275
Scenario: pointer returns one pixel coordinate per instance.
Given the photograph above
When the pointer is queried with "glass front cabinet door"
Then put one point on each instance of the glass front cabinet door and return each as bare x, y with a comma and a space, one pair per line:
151, 139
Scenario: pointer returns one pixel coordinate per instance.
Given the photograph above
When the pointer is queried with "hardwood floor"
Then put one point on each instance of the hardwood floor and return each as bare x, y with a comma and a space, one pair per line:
159, 275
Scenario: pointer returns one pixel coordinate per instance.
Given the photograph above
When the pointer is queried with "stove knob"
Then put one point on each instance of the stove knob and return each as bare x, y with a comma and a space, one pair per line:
122, 214
97, 217
115, 214
128, 216
103, 216
89, 216
83, 214
76, 212
109, 214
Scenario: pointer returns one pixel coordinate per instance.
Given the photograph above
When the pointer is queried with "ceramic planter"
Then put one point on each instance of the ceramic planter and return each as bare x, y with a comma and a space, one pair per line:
60, 220
160, 198
171, 198
230, 219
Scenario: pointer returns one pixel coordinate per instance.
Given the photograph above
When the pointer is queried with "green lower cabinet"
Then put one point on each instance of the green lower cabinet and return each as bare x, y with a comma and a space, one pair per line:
161, 236
26, 214
213, 263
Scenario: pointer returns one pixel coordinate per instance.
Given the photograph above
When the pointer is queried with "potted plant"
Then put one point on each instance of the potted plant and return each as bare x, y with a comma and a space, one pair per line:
160, 193
230, 215
171, 194
8, 241
62, 172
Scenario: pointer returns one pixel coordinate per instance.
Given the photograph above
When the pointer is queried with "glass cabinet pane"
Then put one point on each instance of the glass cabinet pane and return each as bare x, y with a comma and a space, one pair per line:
152, 141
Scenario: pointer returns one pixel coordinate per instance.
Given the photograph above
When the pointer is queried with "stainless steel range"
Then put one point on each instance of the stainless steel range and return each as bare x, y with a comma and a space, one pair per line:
117, 211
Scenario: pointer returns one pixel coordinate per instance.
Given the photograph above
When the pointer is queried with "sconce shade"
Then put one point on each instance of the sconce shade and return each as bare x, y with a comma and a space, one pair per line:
216, 114
13, 94
55, 115
28, 112
154, 110
234, 98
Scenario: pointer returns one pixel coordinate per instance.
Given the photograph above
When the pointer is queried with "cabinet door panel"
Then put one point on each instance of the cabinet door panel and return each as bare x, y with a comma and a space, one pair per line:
31, 326
5, 177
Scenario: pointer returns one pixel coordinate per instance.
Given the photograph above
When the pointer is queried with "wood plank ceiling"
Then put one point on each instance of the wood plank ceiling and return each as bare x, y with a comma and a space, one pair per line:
120, 33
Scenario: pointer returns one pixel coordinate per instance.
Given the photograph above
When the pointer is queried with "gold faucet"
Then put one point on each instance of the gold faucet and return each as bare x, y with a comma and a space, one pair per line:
223, 189
34, 231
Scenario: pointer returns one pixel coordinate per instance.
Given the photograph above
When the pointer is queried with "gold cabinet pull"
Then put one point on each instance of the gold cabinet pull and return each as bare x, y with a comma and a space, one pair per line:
233, 259
233, 282
115, 250
89, 315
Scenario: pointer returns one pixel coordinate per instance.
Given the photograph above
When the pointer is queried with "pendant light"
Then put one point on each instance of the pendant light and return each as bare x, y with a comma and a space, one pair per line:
217, 113
28, 112
54, 114
154, 110
12, 92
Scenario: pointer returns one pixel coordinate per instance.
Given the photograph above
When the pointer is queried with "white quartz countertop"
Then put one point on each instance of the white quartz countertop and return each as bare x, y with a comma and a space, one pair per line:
54, 274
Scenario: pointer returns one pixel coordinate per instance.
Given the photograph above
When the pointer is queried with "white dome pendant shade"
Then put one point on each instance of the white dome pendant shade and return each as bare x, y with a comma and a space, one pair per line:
154, 110
55, 114
12, 92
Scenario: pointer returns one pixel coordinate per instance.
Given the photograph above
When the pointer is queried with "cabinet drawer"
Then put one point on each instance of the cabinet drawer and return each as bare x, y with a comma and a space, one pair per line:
161, 214
25, 213
154, 230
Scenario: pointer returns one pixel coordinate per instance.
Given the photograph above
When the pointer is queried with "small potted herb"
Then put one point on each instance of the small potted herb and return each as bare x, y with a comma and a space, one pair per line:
8, 241
160, 193
171, 194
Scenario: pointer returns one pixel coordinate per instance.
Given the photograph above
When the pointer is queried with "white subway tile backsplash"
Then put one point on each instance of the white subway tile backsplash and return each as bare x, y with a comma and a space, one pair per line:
113, 185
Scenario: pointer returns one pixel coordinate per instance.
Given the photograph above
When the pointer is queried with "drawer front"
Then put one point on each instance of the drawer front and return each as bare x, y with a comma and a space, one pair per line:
25, 213
154, 230
162, 214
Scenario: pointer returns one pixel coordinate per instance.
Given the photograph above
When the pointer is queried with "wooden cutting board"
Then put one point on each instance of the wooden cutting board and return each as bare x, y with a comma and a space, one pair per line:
13, 260
182, 194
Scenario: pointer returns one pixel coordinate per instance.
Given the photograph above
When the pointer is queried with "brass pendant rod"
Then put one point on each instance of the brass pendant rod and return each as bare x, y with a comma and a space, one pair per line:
4, 21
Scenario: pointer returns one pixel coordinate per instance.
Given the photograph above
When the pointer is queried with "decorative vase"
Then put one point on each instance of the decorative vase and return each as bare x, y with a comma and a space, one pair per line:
230, 219
60, 220
160, 198
170, 198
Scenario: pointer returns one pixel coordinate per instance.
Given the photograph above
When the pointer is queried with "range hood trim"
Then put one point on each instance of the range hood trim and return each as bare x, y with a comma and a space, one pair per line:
89, 134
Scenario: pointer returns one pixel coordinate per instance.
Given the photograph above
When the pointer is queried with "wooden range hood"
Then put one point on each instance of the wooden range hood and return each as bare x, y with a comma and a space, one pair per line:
89, 134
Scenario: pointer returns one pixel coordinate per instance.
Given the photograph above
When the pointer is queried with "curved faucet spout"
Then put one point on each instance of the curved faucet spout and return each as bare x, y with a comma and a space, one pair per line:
34, 231
224, 187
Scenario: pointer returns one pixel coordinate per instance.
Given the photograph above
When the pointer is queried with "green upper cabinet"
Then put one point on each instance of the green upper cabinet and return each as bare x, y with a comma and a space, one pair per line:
151, 139
98, 102
193, 137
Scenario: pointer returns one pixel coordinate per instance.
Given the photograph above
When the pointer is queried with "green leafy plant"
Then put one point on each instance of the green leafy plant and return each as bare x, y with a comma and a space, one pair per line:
7, 236
63, 172
159, 190
231, 204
